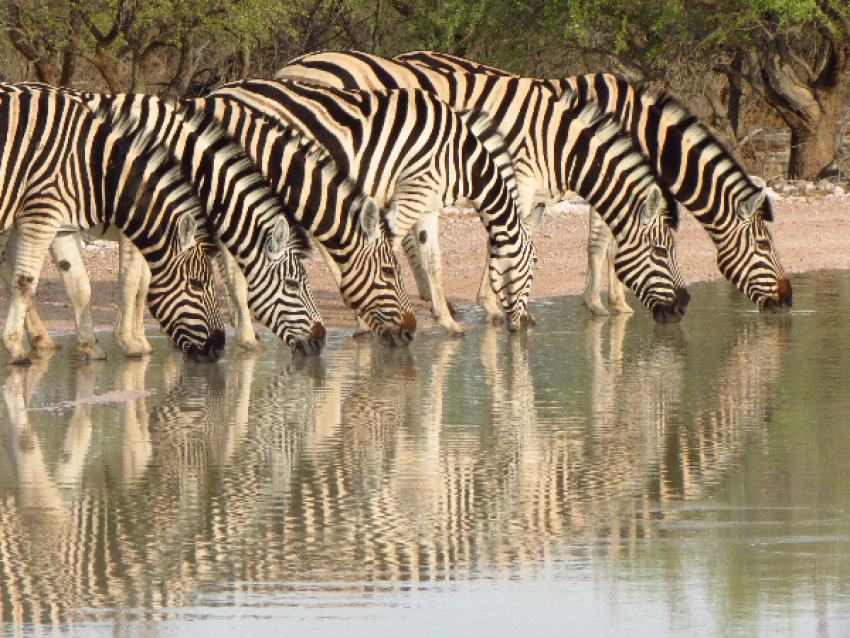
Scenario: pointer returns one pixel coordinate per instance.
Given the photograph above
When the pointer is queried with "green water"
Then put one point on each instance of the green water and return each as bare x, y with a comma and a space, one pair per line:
594, 477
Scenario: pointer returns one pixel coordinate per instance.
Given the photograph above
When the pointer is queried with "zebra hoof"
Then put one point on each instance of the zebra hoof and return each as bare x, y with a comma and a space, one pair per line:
92, 352
21, 361
596, 308
43, 343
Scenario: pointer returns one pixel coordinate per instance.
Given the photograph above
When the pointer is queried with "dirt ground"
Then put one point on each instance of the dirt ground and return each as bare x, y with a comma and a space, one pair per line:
810, 233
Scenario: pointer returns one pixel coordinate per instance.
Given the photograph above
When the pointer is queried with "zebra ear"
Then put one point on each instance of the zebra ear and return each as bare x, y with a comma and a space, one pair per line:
653, 206
370, 218
748, 209
276, 243
186, 228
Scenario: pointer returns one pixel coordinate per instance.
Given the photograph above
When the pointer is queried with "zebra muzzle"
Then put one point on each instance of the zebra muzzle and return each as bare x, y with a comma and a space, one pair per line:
211, 351
783, 299
675, 311
313, 344
401, 336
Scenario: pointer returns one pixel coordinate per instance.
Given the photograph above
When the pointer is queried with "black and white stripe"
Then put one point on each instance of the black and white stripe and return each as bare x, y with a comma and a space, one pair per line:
248, 219
316, 197
408, 150
556, 148
61, 167
700, 173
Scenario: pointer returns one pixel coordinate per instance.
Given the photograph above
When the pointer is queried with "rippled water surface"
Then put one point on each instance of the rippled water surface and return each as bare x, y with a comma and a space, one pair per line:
595, 477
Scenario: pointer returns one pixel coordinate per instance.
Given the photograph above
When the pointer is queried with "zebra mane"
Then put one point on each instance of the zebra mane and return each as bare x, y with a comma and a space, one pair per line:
156, 158
315, 153
699, 135
482, 127
619, 142
207, 128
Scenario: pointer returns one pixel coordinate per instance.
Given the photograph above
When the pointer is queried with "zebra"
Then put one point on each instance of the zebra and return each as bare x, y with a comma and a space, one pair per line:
702, 175
461, 147
556, 148
315, 195
409, 149
280, 291
64, 168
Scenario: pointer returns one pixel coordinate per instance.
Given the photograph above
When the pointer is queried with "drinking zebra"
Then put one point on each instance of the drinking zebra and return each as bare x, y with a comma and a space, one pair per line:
63, 168
449, 159
556, 148
410, 150
700, 174
315, 196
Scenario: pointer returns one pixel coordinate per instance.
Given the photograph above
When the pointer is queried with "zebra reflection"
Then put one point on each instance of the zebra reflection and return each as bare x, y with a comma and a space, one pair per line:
52, 524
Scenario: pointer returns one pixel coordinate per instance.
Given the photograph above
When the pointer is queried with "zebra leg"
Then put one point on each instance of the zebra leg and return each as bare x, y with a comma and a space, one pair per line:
32, 243
139, 331
411, 249
36, 332
130, 283
487, 299
597, 249
425, 232
616, 290
237, 295
66, 251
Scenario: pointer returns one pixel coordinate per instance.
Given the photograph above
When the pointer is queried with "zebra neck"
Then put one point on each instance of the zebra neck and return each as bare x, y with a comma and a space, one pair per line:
316, 194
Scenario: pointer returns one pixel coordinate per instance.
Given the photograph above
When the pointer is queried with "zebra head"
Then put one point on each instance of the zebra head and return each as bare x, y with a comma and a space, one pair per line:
371, 280
747, 258
182, 296
510, 267
278, 290
646, 260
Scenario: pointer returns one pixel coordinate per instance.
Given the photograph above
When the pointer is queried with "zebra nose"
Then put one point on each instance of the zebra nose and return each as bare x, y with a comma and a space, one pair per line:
213, 349
782, 300
784, 291
408, 327
317, 337
402, 335
675, 311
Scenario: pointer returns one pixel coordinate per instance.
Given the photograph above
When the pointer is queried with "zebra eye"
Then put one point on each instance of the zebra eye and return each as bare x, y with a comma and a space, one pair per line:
388, 271
292, 285
196, 284
763, 245
660, 252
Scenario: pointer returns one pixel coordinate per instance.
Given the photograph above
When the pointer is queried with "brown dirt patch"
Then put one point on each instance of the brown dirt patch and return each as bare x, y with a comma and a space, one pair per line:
810, 234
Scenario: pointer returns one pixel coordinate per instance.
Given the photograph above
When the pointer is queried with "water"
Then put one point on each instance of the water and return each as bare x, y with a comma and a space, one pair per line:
595, 477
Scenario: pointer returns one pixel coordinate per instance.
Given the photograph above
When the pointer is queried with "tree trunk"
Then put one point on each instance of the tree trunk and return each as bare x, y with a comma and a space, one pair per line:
735, 93
806, 96
813, 143
43, 68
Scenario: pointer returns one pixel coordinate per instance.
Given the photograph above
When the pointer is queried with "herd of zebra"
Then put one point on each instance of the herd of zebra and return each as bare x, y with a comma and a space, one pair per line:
359, 153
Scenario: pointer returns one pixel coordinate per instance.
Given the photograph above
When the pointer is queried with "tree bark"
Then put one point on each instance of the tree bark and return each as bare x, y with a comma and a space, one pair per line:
43, 68
806, 97
735, 93
813, 142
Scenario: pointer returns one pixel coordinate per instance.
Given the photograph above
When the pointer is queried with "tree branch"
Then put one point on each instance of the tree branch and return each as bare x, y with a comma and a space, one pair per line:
105, 69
